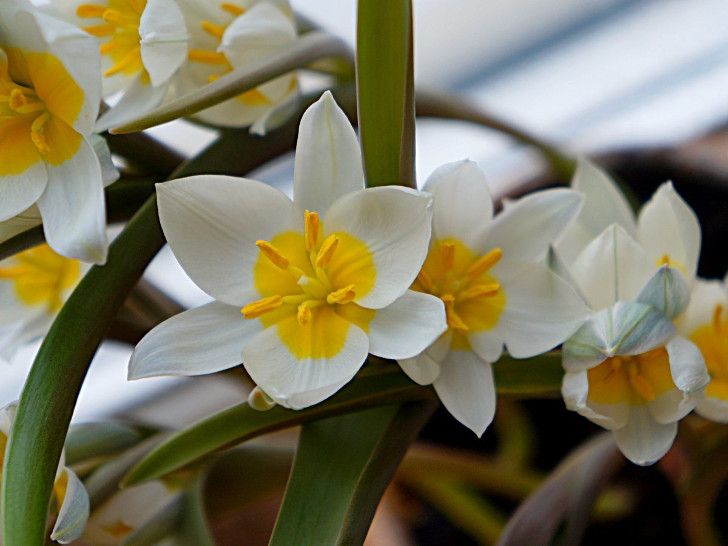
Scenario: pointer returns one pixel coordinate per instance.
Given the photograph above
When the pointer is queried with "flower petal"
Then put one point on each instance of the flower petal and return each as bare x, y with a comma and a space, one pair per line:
31, 330
19, 192
667, 291
109, 174
140, 97
74, 512
527, 226
73, 207
463, 206
300, 381
199, 341
407, 327
541, 309
212, 224
643, 440
163, 39
328, 159
466, 388
575, 390
422, 369
705, 296
687, 365
487, 345
668, 227
673, 405
395, 224
715, 409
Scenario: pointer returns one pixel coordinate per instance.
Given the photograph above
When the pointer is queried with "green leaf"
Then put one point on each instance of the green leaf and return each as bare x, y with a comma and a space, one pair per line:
305, 50
385, 91
341, 469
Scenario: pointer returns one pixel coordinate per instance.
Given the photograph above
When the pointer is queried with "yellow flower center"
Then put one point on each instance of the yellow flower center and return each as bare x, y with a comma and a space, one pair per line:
118, 26
39, 102
40, 276
666, 260
634, 380
473, 299
310, 286
712, 340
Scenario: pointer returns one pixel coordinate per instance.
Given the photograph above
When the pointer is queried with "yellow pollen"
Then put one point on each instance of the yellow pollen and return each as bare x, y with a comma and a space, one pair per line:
40, 142
260, 307
311, 223
448, 255
484, 263
17, 99
342, 295
100, 31
273, 254
479, 291
208, 57
453, 319
326, 252
212, 29
232, 9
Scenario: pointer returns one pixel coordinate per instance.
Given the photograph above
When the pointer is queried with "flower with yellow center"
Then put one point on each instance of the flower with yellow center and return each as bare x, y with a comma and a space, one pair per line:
70, 495
485, 270
142, 44
229, 35
627, 369
34, 284
49, 97
304, 289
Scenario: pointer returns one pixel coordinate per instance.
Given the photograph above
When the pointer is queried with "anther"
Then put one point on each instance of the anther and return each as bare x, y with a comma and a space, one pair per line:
326, 252
17, 99
99, 31
86, 11
273, 254
260, 307
479, 291
114, 17
304, 315
717, 313
665, 260
342, 295
311, 229
206, 56
212, 29
484, 263
232, 9
124, 63
448, 255
426, 282
453, 319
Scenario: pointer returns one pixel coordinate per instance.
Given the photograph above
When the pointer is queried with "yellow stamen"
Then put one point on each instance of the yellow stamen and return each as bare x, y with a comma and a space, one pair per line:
40, 142
273, 254
212, 29
295, 299
114, 17
39, 122
484, 263
448, 255
99, 31
125, 61
665, 260
17, 99
326, 252
260, 307
232, 9
453, 319
717, 313
479, 291
30, 107
311, 222
640, 384
206, 56
304, 315
426, 282
87, 11
108, 47
342, 295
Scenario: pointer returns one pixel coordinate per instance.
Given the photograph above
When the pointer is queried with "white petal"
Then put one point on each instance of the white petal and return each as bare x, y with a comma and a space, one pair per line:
212, 224
465, 387
463, 206
109, 174
27, 219
20, 191
673, 405
715, 409
73, 207
667, 291
611, 268
328, 159
407, 327
575, 390
487, 345
279, 112
643, 440
668, 226
204, 340
541, 309
704, 297
395, 225
605, 204
687, 365
527, 227
140, 97
163, 39
31, 330
74, 511
298, 383
422, 369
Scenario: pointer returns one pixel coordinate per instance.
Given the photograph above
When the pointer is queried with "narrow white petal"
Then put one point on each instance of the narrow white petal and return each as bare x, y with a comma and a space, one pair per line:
574, 389
27, 219
109, 174
609, 416
74, 511
204, 340
463, 206
669, 227
212, 224
643, 440
541, 309
407, 327
673, 405
73, 207
465, 387
687, 365
527, 227
705, 296
297, 383
140, 97
487, 345
163, 39
262, 30
18, 192
422, 369
715, 409
328, 160
33, 328
667, 291
395, 225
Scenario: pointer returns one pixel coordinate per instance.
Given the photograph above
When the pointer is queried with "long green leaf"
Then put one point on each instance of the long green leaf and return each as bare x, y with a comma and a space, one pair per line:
305, 50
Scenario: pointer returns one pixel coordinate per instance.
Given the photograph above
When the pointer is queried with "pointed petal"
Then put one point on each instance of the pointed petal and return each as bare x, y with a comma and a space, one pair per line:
140, 97
466, 388
687, 365
463, 206
643, 440
73, 207
203, 340
407, 327
422, 369
395, 224
299, 382
163, 39
328, 160
668, 227
20, 191
714, 409
667, 291
74, 511
212, 224
541, 310
527, 227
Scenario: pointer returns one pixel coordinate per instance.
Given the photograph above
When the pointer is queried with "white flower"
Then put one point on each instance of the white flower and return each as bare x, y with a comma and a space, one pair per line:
321, 281
705, 323
626, 368
34, 285
142, 44
68, 490
232, 35
486, 271
49, 98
